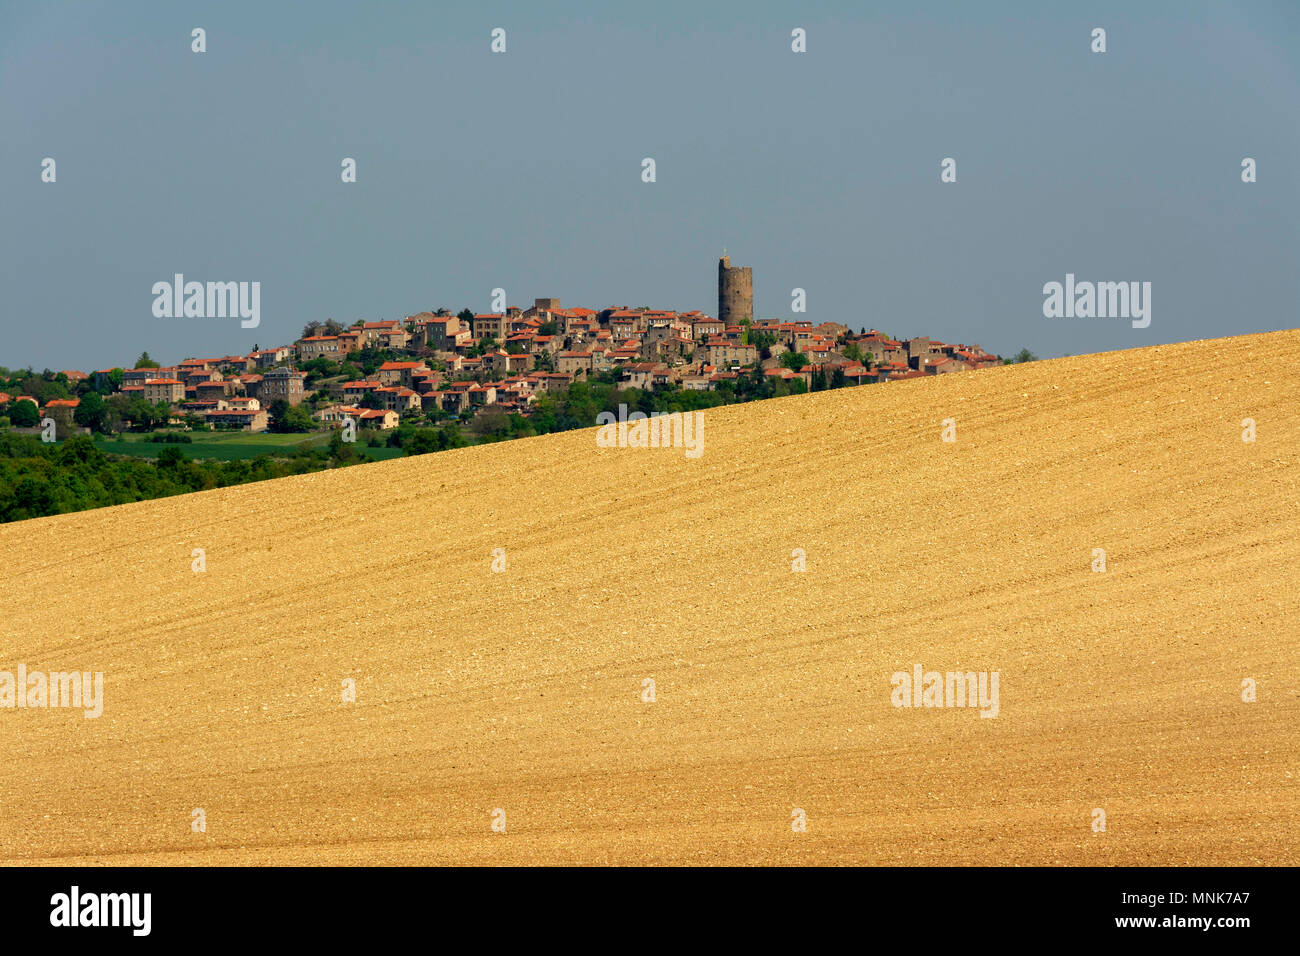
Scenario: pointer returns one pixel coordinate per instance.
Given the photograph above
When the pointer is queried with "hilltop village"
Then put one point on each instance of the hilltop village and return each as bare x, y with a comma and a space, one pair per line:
437, 367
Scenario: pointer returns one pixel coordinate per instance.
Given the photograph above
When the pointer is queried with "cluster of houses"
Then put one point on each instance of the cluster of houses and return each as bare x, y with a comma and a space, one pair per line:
213, 389
440, 362
547, 347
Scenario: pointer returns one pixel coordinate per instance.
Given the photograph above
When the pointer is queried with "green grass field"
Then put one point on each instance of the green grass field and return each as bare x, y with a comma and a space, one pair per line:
231, 446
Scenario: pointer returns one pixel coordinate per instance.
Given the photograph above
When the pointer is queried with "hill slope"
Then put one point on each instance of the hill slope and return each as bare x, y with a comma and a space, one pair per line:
521, 690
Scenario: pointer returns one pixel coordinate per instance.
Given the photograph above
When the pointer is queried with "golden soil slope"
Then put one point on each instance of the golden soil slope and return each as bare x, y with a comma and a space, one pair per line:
522, 690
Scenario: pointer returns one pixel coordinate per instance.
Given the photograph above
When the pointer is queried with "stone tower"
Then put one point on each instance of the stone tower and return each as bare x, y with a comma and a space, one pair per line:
735, 292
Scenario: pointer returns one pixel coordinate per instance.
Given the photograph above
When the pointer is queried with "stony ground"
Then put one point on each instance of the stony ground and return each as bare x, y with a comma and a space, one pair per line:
522, 690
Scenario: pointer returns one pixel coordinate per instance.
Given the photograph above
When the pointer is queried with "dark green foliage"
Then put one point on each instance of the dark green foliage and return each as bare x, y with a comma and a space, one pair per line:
286, 418
421, 441
92, 413
39, 478
24, 414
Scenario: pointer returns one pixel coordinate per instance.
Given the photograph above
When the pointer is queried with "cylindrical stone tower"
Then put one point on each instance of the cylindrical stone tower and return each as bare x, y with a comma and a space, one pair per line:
735, 292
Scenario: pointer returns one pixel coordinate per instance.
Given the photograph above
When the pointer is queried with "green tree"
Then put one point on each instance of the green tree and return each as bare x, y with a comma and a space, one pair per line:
485, 344
170, 457
286, 418
91, 412
1024, 355
24, 415
112, 382
144, 361
425, 440
32, 498
794, 361
80, 450
341, 450
140, 413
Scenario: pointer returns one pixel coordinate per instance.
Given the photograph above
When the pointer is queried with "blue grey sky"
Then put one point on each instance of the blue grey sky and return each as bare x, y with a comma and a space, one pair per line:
523, 170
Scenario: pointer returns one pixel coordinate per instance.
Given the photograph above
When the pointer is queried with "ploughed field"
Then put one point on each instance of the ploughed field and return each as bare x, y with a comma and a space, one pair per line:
521, 690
